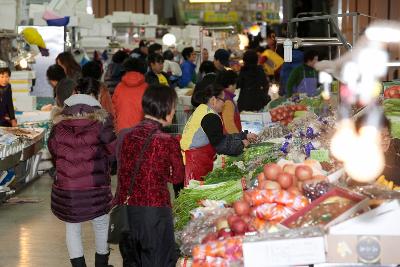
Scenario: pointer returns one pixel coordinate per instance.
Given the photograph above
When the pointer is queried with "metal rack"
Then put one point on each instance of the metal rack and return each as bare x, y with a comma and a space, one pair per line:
338, 41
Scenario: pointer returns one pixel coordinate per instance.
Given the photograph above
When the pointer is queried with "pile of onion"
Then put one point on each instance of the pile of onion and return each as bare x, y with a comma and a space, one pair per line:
285, 114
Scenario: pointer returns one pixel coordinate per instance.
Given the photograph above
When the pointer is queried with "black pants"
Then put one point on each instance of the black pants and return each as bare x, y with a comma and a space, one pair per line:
152, 242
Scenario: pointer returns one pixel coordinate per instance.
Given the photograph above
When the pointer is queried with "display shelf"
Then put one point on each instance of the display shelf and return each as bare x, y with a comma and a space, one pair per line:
10, 161
30, 150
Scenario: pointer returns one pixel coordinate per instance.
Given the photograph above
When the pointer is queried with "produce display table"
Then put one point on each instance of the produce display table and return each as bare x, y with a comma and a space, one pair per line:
286, 201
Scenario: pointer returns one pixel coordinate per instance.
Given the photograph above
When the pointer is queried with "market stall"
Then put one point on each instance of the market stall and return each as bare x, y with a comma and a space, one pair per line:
311, 189
20, 156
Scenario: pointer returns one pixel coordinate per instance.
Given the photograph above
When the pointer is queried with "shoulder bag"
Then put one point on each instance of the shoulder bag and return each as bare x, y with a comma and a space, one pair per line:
119, 218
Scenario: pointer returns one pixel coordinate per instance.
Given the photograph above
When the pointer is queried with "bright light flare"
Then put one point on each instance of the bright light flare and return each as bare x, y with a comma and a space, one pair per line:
169, 39
343, 139
23, 63
383, 33
244, 41
367, 160
254, 30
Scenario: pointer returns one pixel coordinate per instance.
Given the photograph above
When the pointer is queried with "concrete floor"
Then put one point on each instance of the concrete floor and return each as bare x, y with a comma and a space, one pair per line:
31, 236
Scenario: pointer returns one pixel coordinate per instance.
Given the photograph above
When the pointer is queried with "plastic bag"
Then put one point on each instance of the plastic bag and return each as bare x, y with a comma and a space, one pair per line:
198, 228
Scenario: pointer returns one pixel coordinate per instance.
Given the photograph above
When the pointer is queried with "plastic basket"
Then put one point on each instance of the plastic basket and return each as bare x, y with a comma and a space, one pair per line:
182, 114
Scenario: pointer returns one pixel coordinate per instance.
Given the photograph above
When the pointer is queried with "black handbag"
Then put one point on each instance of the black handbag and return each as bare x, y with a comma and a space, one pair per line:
119, 218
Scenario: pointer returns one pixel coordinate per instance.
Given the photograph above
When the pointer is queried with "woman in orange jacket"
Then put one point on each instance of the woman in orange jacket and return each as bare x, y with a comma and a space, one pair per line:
127, 97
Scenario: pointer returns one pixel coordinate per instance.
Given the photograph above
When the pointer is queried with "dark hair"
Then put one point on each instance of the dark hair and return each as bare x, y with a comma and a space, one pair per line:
55, 73
5, 70
134, 64
154, 47
207, 66
250, 57
158, 101
197, 96
204, 95
63, 90
88, 86
261, 49
92, 69
227, 78
186, 52
119, 56
155, 58
69, 63
270, 33
143, 43
168, 55
383, 122
310, 55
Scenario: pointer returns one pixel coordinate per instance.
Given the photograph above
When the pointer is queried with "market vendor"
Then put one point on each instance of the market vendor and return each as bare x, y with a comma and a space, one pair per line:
304, 78
7, 113
230, 112
390, 147
203, 135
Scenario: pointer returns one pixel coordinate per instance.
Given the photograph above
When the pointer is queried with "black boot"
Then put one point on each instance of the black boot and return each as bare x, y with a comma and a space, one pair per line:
101, 260
78, 262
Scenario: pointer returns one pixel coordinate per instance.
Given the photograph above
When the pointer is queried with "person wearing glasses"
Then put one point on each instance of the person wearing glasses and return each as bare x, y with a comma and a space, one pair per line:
203, 136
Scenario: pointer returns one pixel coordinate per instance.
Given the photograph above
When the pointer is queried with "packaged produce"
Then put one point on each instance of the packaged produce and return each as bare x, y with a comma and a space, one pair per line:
258, 197
285, 114
316, 188
184, 262
272, 212
274, 130
189, 198
256, 150
392, 92
229, 249
325, 209
197, 229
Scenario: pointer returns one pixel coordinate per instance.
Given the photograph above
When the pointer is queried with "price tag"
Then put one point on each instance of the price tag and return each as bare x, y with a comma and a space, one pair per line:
320, 155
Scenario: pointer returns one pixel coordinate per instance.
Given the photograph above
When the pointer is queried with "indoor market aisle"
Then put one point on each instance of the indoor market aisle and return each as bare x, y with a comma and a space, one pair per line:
31, 236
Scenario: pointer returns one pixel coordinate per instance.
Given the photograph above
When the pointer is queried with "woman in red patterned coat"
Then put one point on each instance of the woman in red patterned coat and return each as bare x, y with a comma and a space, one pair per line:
152, 241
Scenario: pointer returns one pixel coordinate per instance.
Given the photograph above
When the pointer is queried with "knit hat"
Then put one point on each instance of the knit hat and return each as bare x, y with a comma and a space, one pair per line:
222, 56
3, 64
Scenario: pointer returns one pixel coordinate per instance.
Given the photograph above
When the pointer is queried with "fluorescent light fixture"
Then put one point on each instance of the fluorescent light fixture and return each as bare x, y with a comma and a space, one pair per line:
210, 1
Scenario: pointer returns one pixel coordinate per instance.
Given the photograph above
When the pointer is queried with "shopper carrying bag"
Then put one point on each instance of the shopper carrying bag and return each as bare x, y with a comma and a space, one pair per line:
152, 162
119, 221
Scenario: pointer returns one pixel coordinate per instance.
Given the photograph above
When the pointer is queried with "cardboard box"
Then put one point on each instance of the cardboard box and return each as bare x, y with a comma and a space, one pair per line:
299, 251
262, 117
23, 102
23, 75
366, 249
383, 220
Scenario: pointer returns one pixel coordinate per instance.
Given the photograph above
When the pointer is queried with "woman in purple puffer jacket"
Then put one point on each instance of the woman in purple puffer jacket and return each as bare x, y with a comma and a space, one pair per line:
81, 142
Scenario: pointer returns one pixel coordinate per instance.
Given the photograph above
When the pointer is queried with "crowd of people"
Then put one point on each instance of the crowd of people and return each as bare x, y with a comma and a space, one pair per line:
115, 115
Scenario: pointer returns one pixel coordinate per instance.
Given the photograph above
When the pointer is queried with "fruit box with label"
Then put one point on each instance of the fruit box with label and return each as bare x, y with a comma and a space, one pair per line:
333, 207
285, 248
372, 237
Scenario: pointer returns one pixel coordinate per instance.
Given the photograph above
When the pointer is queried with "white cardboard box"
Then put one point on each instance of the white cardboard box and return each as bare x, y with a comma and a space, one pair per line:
24, 102
8, 14
300, 251
383, 220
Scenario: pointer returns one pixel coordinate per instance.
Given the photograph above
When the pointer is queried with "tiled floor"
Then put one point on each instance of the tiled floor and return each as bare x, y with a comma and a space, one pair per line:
31, 236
